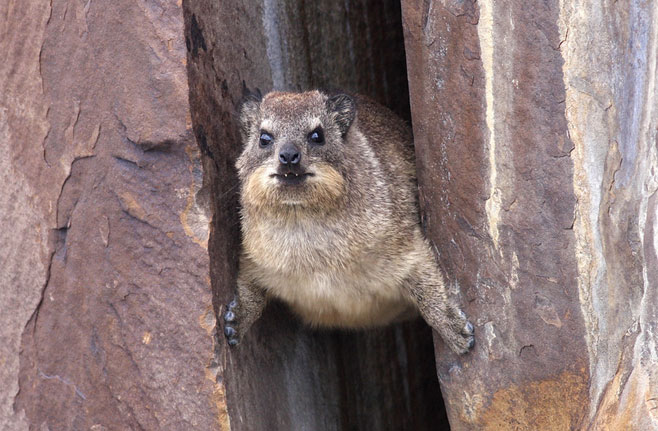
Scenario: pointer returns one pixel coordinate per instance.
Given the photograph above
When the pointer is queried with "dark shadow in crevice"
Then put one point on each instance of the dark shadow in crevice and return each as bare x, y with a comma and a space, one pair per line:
284, 376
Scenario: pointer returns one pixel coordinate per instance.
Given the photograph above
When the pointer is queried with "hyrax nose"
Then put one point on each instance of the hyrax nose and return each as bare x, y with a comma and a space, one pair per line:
289, 155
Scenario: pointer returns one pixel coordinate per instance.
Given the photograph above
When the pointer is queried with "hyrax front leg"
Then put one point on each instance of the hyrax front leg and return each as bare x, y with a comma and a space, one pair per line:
244, 309
428, 290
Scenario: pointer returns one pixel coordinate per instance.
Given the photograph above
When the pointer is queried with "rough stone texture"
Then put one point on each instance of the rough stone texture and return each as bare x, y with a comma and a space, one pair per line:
536, 131
612, 114
283, 376
105, 266
535, 126
24, 213
107, 320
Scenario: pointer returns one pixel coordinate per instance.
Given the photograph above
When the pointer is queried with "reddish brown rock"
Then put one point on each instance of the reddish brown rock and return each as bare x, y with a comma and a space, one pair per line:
104, 261
536, 135
535, 131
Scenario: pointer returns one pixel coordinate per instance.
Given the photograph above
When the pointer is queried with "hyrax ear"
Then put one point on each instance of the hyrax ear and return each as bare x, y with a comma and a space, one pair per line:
343, 108
248, 109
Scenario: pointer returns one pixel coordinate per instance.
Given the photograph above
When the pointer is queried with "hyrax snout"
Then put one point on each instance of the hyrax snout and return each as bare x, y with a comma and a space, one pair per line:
330, 220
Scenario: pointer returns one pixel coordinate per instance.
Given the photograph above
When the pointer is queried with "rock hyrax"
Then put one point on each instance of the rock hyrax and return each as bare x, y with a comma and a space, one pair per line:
330, 220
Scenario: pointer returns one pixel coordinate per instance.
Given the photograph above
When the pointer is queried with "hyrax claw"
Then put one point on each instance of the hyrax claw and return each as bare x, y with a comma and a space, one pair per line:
231, 335
230, 331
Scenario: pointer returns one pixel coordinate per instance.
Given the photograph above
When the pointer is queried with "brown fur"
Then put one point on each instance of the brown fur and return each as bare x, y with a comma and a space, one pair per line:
344, 248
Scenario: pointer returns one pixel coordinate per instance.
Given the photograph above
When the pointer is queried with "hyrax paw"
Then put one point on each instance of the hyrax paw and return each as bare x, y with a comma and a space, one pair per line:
464, 341
230, 324
468, 331
461, 339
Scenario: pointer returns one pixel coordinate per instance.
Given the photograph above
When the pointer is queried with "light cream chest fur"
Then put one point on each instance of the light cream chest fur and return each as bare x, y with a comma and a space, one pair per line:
326, 278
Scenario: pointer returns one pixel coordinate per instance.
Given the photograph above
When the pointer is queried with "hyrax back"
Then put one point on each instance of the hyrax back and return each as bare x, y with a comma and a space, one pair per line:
329, 219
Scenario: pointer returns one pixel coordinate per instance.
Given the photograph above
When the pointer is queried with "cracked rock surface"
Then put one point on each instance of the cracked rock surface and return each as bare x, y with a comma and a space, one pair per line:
535, 127
113, 146
106, 318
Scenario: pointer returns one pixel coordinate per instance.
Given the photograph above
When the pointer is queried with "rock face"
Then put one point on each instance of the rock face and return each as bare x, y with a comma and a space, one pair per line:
117, 157
106, 318
535, 128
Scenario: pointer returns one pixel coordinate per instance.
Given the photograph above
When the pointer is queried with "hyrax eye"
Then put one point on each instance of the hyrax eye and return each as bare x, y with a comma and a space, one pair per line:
316, 136
265, 139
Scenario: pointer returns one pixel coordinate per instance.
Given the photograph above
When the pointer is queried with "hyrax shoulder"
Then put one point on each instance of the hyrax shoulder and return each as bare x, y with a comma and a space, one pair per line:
330, 221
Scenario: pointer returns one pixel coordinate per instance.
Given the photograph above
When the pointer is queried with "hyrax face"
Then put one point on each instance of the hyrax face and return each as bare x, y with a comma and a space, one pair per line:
294, 149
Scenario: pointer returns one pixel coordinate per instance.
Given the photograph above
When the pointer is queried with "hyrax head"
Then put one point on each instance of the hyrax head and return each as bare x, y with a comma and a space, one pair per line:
294, 149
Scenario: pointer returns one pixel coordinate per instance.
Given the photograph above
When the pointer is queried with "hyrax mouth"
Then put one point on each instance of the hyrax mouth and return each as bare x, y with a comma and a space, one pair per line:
292, 177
